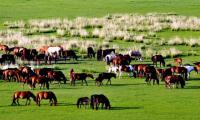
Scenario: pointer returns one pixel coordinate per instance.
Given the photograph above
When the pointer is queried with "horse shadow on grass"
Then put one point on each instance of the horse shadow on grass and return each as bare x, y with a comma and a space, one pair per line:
127, 84
192, 87
127, 108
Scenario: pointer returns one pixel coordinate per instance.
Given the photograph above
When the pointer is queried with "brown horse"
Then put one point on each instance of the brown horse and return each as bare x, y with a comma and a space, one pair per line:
41, 80
128, 69
121, 60
4, 48
82, 77
102, 76
174, 79
139, 68
42, 71
178, 61
46, 95
180, 70
158, 58
57, 76
11, 75
83, 101
23, 95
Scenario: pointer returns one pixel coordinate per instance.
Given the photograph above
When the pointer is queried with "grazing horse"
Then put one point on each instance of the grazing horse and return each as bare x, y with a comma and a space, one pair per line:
197, 68
4, 48
139, 68
7, 58
107, 51
83, 101
70, 54
157, 58
102, 76
54, 50
96, 100
128, 69
23, 95
11, 74
42, 71
40, 57
90, 52
178, 61
180, 70
174, 79
121, 60
136, 55
151, 73
82, 77
46, 95
41, 80
57, 76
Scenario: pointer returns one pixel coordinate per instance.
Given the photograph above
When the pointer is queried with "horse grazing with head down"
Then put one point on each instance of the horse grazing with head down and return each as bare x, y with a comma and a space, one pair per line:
69, 54
82, 77
83, 101
46, 95
158, 58
57, 76
102, 76
151, 73
96, 100
174, 79
23, 95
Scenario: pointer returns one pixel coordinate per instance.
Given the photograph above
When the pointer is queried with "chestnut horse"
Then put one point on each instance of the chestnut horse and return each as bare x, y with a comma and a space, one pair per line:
46, 95
82, 77
4, 48
23, 95
174, 79
96, 100
178, 61
11, 74
41, 80
83, 101
180, 70
102, 76
121, 60
158, 58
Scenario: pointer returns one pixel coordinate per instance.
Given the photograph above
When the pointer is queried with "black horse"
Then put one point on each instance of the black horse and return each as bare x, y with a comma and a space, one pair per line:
90, 52
83, 101
103, 76
96, 100
9, 58
158, 58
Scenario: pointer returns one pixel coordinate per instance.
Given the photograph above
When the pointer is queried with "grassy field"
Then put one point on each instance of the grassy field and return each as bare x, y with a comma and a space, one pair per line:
130, 98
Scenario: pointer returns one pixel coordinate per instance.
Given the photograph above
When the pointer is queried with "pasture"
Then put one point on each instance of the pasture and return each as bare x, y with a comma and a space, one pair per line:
169, 27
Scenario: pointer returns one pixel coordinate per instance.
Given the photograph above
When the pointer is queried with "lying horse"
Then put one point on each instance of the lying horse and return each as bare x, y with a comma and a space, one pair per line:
158, 58
82, 77
103, 76
96, 100
46, 95
174, 79
23, 95
83, 101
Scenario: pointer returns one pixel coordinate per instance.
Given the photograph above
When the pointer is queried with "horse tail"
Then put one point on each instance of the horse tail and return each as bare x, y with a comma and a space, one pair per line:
33, 96
78, 102
54, 98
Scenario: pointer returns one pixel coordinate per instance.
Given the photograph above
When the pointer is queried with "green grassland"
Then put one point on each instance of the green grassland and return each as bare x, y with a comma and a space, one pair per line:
131, 98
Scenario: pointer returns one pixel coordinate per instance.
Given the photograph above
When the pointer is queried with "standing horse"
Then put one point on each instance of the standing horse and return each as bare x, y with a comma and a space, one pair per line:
158, 58
103, 76
41, 80
174, 79
96, 100
70, 54
82, 77
90, 52
121, 60
7, 58
128, 69
4, 48
83, 101
190, 68
52, 50
109, 58
136, 55
23, 95
180, 70
178, 61
151, 73
46, 95
57, 76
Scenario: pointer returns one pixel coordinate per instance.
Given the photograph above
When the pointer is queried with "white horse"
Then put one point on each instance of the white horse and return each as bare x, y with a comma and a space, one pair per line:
119, 70
109, 58
52, 50
189, 68
114, 69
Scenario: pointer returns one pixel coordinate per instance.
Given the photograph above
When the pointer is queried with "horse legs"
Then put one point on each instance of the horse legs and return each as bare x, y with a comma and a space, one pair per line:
18, 102
86, 82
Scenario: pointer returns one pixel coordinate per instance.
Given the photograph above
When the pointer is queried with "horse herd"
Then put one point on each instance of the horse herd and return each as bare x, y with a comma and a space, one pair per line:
94, 102
117, 64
